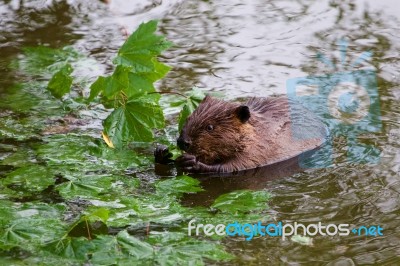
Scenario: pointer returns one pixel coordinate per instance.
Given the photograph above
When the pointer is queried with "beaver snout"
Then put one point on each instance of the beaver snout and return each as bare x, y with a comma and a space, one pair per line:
183, 143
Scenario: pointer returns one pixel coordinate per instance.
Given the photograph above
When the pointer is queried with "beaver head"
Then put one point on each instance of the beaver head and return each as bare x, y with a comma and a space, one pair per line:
215, 131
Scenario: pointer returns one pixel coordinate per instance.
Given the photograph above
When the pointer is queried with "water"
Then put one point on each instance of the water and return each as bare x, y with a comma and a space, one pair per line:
251, 49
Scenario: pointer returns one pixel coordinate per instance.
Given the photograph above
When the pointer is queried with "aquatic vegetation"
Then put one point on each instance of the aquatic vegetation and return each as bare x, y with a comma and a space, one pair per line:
66, 197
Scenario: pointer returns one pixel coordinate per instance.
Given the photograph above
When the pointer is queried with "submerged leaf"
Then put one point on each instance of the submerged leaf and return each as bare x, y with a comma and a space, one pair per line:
61, 82
42, 60
180, 249
242, 201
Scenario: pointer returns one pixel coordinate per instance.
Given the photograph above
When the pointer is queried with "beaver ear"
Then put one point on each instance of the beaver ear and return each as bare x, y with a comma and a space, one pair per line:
243, 113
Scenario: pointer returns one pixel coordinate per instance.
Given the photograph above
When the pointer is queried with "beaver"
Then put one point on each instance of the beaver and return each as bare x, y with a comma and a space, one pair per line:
221, 136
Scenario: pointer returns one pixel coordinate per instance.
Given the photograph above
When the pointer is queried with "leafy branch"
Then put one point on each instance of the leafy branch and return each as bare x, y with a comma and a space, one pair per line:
130, 90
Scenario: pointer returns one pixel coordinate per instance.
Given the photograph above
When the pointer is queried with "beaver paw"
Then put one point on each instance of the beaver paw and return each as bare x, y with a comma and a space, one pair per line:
188, 163
162, 154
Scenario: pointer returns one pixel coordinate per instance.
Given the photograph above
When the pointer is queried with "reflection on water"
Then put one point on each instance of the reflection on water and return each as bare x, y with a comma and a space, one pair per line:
251, 49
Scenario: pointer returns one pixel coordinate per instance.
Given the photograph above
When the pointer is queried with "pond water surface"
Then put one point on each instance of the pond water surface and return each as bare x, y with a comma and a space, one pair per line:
251, 48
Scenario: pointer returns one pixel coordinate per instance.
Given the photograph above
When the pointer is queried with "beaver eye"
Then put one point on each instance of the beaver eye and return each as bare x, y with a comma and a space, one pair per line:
210, 128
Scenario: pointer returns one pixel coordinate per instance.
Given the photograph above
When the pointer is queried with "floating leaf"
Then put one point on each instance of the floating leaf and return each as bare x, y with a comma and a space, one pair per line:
65, 149
178, 185
242, 201
133, 246
87, 187
32, 178
35, 230
72, 248
7, 212
61, 82
42, 60
76, 154
180, 249
22, 156
14, 128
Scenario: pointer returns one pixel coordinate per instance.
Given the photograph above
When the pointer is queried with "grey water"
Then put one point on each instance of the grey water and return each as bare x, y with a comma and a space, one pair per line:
252, 48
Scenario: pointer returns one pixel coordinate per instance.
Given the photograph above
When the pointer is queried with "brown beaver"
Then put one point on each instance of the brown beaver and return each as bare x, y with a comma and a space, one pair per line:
222, 136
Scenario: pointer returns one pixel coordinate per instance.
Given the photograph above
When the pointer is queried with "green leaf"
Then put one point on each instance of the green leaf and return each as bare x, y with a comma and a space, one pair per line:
124, 80
85, 186
138, 63
160, 70
23, 156
109, 250
139, 49
134, 121
97, 87
184, 114
133, 246
41, 210
18, 128
31, 178
75, 155
195, 95
72, 248
44, 61
32, 230
191, 103
178, 185
138, 84
136, 114
104, 250
61, 150
242, 201
61, 82
31, 97
98, 213
180, 249
7, 212
116, 82
118, 158
73, 189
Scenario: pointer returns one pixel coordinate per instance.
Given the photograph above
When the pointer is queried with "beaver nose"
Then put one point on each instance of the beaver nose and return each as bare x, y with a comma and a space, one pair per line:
183, 144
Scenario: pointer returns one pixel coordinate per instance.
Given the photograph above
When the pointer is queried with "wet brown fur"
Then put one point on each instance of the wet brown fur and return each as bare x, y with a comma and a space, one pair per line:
234, 145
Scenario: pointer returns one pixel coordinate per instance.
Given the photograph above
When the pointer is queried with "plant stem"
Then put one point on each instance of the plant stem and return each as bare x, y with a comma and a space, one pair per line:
168, 92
